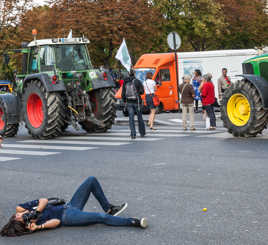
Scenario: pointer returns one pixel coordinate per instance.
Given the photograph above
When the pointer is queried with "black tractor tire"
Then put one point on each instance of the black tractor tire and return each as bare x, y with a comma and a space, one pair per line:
6, 130
104, 108
43, 112
258, 115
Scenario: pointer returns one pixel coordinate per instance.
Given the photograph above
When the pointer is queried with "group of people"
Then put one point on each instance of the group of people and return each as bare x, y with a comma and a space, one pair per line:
201, 89
192, 90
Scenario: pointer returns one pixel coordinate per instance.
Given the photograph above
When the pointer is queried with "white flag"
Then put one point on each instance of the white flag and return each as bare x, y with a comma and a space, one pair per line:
70, 35
123, 55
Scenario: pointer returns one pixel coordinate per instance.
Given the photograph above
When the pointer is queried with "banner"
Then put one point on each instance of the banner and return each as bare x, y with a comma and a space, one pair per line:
123, 55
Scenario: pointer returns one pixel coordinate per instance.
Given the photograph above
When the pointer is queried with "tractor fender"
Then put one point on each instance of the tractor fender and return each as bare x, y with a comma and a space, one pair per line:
99, 82
12, 106
46, 81
261, 85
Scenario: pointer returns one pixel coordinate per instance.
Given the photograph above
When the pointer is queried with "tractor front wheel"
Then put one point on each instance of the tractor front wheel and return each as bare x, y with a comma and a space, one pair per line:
6, 130
43, 112
242, 111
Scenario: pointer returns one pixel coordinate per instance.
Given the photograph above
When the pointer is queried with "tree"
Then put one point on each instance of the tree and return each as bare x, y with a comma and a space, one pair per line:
107, 22
246, 28
199, 22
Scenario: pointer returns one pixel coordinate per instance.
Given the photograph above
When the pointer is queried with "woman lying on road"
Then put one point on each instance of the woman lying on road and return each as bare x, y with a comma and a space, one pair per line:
28, 218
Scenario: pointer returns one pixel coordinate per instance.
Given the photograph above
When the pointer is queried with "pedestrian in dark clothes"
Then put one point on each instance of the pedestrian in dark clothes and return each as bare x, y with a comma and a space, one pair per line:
131, 95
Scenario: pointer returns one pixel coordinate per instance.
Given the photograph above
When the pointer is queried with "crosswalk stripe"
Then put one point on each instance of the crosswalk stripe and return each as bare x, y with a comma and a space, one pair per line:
4, 159
152, 135
109, 138
72, 142
49, 147
33, 153
170, 131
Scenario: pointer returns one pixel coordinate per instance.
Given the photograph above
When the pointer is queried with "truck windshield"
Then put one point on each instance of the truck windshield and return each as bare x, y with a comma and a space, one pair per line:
140, 73
72, 57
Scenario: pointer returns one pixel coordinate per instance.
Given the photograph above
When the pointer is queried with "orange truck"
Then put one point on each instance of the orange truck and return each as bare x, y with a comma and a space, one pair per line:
163, 67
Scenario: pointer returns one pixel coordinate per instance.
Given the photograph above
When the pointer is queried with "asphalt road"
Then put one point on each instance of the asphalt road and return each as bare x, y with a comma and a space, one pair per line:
168, 178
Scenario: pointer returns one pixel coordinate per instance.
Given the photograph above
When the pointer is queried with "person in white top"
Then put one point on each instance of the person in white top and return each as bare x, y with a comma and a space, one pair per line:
150, 88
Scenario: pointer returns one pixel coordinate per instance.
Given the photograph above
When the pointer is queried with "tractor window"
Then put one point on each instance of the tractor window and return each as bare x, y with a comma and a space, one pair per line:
72, 57
47, 59
248, 68
264, 70
164, 75
33, 68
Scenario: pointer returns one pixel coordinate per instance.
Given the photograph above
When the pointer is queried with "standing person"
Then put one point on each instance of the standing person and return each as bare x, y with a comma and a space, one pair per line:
187, 101
39, 214
150, 88
208, 99
197, 79
223, 83
131, 95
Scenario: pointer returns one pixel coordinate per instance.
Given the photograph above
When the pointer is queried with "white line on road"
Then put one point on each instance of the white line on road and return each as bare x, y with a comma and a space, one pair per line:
4, 159
33, 153
107, 138
110, 134
72, 142
49, 147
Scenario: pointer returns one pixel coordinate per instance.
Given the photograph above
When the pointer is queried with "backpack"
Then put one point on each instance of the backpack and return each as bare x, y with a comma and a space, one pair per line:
131, 91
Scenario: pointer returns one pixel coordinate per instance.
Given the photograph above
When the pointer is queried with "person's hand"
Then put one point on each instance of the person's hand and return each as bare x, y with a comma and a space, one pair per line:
32, 227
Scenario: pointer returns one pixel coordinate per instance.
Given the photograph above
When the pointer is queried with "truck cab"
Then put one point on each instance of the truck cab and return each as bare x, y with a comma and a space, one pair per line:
163, 69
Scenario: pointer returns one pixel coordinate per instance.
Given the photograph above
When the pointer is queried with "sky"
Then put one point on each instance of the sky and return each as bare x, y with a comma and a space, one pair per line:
39, 2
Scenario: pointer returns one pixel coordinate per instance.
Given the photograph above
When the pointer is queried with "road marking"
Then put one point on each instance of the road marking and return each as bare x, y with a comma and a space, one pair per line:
108, 138
171, 131
72, 142
110, 134
49, 147
33, 153
4, 159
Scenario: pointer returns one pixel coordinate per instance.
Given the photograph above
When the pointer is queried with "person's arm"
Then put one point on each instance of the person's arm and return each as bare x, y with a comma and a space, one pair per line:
204, 91
192, 91
50, 224
40, 204
219, 89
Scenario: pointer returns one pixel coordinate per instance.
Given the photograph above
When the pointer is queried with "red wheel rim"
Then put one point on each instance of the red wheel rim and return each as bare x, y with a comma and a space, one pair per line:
2, 122
95, 104
35, 110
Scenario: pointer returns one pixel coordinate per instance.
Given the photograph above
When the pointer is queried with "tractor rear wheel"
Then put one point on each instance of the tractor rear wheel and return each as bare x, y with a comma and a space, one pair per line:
242, 111
103, 106
43, 112
6, 130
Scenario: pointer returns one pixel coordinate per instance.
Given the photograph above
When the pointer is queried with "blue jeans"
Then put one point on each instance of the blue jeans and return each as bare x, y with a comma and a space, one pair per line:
73, 215
211, 114
132, 109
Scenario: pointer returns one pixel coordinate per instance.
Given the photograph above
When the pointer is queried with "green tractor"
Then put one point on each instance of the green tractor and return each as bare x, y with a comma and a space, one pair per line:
58, 87
244, 108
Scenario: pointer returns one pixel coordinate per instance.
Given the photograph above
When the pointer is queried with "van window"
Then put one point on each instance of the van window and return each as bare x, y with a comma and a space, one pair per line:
164, 75
264, 70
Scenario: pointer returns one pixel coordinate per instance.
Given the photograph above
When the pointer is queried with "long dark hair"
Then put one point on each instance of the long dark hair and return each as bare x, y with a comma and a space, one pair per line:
198, 72
14, 228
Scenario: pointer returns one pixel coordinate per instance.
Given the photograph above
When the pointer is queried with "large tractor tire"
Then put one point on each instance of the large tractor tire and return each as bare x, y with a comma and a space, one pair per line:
103, 105
6, 130
43, 112
242, 111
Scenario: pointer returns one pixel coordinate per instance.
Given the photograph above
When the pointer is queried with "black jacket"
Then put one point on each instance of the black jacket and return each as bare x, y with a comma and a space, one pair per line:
139, 88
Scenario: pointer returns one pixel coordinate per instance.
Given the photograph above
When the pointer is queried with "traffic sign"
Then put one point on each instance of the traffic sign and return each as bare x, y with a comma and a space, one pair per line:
174, 40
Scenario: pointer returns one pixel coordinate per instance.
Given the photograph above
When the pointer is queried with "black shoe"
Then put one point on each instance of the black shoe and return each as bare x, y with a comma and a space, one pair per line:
142, 223
143, 135
115, 210
133, 137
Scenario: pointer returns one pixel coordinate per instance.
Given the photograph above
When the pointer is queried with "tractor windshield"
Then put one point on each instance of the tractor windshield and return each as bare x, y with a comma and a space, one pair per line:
72, 57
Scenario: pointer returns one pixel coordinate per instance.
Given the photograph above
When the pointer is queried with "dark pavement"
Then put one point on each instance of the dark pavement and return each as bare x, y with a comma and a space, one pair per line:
169, 181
